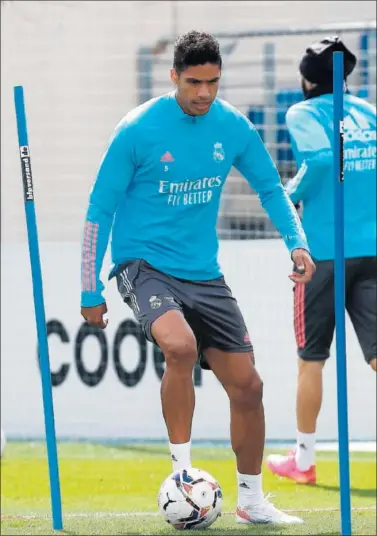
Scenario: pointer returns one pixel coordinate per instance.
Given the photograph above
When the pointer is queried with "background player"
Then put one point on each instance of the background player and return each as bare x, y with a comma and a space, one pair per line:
158, 188
311, 130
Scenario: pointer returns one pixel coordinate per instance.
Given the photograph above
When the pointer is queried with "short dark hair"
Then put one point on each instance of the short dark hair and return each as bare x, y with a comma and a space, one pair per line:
196, 48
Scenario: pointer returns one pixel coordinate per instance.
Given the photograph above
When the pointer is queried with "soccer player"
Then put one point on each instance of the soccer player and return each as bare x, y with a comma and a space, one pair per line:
311, 129
158, 189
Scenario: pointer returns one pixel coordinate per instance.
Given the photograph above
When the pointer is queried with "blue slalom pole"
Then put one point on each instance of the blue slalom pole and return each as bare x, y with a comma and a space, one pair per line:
39, 308
340, 306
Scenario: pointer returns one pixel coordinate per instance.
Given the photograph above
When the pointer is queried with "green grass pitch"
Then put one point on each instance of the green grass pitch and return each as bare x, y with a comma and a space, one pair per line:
109, 489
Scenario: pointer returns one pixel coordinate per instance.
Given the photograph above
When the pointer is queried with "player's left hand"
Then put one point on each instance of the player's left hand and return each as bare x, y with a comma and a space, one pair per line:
304, 266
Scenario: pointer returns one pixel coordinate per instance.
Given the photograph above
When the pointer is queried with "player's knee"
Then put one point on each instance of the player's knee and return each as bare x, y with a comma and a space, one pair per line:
373, 364
248, 393
310, 366
180, 352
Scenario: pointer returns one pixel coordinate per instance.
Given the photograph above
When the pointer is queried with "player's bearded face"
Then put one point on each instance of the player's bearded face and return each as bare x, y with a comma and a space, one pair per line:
197, 87
306, 86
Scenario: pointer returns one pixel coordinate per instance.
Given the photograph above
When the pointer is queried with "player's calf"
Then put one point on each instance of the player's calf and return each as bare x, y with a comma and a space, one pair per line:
247, 423
178, 344
244, 388
246, 394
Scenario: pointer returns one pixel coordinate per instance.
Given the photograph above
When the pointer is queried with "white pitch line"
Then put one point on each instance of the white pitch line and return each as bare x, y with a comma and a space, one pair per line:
105, 515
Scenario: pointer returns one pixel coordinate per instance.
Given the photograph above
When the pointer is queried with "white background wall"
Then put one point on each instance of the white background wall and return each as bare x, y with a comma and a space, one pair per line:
111, 410
77, 62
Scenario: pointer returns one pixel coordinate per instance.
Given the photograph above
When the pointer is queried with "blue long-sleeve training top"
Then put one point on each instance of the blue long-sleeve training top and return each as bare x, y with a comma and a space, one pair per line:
310, 124
158, 190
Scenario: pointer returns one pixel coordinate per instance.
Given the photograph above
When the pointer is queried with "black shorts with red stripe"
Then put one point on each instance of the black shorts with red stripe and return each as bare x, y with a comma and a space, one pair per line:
314, 308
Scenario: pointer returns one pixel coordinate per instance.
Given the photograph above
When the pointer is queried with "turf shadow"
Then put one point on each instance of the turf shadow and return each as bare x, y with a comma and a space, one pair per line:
359, 492
157, 450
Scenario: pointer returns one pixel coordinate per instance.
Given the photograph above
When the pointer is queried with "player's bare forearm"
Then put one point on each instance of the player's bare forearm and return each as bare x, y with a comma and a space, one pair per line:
284, 215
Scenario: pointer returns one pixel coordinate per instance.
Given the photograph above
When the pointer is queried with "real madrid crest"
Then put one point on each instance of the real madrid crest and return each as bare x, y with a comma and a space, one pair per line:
155, 302
218, 152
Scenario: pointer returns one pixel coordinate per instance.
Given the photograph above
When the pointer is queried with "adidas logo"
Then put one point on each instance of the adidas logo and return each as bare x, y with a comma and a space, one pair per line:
244, 485
303, 446
167, 157
174, 458
359, 131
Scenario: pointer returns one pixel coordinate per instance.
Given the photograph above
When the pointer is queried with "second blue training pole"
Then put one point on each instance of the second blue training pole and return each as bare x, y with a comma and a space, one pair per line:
340, 305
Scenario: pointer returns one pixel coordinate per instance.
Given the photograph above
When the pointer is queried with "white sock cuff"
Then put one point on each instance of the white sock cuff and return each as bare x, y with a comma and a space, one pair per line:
305, 451
307, 439
249, 489
180, 455
249, 479
180, 446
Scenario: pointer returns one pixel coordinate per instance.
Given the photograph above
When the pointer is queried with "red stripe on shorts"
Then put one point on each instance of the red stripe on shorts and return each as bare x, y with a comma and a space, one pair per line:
299, 315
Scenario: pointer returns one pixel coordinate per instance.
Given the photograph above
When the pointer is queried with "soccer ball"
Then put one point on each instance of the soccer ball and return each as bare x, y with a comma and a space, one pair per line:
3, 442
190, 499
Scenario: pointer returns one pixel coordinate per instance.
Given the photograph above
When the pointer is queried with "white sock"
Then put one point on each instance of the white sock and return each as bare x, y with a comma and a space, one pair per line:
249, 490
180, 455
305, 451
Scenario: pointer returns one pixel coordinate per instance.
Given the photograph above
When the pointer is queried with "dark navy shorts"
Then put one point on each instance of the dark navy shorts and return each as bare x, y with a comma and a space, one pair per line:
208, 306
314, 308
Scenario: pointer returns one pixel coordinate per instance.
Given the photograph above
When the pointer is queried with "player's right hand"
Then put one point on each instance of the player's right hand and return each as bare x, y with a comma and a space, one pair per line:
94, 315
304, 266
